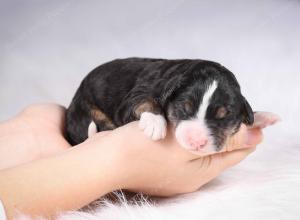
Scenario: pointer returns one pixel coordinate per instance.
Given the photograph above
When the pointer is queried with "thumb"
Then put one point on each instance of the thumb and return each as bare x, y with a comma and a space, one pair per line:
237, 148
225, 160
217, 163
245, 138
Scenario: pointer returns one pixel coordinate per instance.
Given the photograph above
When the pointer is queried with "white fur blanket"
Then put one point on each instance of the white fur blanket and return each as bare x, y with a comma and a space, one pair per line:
48, 47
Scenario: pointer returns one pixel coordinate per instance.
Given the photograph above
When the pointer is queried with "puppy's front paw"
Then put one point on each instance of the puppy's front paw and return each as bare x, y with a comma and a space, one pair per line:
154, 126
265, 119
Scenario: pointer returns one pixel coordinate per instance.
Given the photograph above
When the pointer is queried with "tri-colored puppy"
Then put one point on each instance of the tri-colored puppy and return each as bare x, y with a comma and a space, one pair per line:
201, 99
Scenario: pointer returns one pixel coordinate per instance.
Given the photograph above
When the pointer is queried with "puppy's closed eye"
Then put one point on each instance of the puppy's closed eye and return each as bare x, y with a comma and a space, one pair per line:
188, 106
221, 113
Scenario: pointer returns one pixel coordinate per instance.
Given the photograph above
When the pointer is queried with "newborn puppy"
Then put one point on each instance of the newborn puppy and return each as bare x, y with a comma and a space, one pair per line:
201, 99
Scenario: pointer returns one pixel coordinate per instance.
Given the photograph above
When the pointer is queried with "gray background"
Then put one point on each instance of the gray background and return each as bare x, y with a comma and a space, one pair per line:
47, 47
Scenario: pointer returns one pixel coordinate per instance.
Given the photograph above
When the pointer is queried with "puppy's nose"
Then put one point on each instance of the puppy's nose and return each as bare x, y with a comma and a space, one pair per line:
197, 143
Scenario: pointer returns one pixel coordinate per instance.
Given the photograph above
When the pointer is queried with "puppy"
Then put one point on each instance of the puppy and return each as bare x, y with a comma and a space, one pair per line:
201, 99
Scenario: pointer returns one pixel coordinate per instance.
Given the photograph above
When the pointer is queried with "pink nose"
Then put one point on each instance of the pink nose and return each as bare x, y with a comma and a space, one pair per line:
197, 143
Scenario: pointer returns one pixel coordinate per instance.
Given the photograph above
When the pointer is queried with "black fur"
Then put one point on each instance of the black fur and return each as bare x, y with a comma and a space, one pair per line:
174, 87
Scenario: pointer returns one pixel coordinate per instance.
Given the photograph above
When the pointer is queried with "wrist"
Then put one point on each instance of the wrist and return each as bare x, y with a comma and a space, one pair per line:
103, 156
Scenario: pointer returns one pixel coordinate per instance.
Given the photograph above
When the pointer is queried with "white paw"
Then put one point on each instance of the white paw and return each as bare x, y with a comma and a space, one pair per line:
92, 129
154, 126
265, 119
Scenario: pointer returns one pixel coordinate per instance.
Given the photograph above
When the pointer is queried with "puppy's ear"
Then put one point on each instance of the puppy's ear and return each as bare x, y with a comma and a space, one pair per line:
247, 112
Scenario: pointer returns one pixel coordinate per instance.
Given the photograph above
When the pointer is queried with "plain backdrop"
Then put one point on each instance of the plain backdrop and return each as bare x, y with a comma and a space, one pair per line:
47, 47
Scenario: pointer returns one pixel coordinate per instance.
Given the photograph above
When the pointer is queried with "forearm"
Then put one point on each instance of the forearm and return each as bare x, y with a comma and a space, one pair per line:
67, 181
14, 150
32, 135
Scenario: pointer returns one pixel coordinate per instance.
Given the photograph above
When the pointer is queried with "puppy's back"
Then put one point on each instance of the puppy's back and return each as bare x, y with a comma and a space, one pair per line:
105, 87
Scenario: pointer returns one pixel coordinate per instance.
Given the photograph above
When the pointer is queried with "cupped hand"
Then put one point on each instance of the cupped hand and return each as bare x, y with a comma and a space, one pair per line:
138, 164
163, 168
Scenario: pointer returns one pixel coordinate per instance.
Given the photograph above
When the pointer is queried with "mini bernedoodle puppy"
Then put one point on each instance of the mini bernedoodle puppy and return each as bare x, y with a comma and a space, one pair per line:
200, 99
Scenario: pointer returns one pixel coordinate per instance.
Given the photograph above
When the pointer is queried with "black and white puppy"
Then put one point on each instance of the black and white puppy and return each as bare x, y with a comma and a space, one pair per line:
201, 99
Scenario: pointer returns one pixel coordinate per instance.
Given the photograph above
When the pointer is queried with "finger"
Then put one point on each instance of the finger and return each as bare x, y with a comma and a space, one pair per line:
265, 119
232, 158
245, 138
222, 161
213, 165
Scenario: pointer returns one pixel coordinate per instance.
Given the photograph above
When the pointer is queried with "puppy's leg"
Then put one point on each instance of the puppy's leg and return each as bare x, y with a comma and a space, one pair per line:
152, 120
265, 119
100, 122
154, 126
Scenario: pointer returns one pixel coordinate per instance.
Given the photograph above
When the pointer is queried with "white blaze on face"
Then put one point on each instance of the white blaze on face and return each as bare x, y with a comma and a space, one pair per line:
206, 100
194, 134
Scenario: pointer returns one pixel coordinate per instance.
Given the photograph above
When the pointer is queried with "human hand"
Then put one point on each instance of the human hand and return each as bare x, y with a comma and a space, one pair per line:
119, 159
159, 168
163, 168
34, 133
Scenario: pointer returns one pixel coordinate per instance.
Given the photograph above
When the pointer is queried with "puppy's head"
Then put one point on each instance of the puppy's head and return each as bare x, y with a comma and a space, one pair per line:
207, 108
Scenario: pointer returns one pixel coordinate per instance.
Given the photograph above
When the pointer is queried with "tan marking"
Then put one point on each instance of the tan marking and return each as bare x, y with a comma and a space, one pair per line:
146, 106
99, 116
